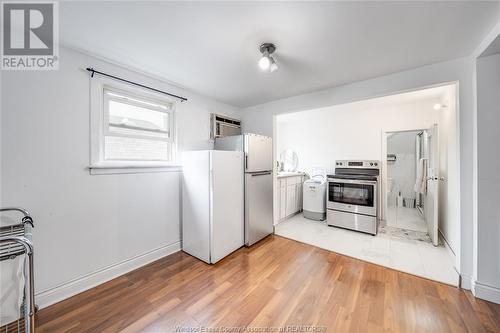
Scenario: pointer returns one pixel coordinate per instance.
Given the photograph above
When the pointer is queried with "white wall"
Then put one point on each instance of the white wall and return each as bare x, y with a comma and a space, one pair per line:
352, 131
488, 181
259, 119
87, 224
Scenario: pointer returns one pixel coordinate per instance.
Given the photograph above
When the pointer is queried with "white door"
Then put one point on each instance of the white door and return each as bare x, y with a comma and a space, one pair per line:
196, 204
258, 153
227, 211
432, 197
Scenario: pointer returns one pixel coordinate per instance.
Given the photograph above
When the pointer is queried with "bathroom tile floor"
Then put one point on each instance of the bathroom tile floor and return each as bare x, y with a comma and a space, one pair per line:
406, 255
406, 218
403, 233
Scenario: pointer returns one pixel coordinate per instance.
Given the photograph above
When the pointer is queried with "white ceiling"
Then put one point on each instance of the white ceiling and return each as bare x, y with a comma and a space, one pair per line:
493, 48
212, 47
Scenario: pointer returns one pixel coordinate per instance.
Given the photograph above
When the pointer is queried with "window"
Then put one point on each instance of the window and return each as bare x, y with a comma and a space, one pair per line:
136, 130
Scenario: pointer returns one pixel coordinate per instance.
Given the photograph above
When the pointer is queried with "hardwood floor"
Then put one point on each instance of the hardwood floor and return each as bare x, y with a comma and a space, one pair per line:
276, 283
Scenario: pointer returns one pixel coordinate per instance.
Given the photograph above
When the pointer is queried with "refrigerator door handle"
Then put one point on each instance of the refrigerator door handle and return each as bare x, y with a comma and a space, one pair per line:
261, 173
246, 161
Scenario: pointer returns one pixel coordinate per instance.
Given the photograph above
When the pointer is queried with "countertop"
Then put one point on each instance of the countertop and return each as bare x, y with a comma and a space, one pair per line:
289, 174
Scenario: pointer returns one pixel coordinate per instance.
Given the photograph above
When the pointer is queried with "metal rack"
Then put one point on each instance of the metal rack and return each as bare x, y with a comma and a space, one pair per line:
15, 240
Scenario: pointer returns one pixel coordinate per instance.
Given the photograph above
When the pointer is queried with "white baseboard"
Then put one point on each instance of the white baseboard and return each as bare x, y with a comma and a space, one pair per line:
487, 292
466, 282
78, 285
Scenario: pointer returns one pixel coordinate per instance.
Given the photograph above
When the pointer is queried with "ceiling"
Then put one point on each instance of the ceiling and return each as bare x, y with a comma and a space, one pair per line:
493, 48
212, 47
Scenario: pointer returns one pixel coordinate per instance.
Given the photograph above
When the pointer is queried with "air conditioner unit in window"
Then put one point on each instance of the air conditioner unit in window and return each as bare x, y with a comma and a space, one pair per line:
224, 126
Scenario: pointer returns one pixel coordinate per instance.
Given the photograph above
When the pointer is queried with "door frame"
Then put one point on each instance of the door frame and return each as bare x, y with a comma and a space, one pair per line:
383, 159
383, 167
276, 192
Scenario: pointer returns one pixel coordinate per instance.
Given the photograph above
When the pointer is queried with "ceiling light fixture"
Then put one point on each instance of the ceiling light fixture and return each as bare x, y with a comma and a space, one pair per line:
267, 62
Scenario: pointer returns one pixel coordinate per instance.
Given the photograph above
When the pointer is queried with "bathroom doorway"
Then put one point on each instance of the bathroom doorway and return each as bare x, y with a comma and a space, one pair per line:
412, 185
405, 202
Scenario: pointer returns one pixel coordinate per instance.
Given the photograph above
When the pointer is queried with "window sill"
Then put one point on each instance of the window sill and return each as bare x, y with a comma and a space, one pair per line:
120, 168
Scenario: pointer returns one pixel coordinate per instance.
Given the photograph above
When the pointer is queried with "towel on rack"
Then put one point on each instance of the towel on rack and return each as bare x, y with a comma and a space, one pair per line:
421, 181
12, 286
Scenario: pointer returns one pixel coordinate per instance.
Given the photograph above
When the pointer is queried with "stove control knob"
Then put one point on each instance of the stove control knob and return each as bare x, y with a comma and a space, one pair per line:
375, 164
371, 164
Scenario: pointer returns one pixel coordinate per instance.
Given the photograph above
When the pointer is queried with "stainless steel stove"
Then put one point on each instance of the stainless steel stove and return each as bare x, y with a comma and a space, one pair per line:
353, 196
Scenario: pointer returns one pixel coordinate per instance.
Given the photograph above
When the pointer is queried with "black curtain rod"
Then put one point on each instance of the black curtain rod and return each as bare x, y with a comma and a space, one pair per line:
93, 71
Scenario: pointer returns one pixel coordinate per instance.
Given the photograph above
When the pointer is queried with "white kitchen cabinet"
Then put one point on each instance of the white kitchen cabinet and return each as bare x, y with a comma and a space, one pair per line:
289, 195
298, 196
291, 201
282, 199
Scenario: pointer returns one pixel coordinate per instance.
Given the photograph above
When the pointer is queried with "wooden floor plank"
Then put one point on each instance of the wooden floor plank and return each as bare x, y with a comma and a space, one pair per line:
275, 283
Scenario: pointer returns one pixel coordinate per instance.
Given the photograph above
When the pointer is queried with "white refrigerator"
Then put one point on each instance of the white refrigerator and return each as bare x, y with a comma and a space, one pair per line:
212, 203
258, 173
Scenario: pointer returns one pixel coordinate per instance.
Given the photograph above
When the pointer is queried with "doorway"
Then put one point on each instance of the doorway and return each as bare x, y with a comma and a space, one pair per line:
405, 205
411, 195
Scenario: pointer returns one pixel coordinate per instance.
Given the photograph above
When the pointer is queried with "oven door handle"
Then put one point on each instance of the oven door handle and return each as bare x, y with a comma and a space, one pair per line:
352, 181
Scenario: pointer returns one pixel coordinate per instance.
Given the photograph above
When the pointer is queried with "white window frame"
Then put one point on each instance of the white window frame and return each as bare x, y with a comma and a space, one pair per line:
99, 121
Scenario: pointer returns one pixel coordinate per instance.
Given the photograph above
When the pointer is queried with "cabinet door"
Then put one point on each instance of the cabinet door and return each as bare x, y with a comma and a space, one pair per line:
298, 196
291, 201
282, 201
301, 202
